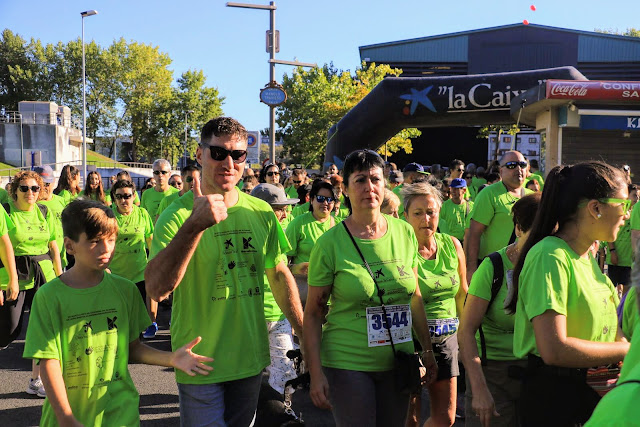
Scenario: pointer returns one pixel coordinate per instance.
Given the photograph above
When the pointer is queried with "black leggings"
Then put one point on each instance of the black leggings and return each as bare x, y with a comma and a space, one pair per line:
12, 315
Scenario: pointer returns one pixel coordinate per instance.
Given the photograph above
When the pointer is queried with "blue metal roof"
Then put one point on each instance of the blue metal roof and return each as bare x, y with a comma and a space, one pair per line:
453, 47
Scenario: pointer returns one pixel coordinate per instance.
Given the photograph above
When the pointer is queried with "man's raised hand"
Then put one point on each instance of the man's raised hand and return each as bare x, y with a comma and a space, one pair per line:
208, 210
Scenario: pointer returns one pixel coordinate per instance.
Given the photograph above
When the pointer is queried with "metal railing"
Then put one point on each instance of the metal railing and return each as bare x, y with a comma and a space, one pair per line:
99, 164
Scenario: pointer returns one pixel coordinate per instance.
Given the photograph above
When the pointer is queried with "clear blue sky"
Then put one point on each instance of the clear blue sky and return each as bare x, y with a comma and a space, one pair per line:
229, 43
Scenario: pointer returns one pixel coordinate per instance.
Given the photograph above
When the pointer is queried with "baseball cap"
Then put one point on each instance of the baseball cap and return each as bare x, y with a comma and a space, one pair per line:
458, 183
414, 167
45, 172
273, 195
396, 177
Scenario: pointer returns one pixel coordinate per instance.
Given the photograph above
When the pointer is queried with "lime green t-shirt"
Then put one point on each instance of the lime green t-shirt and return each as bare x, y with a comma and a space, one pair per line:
555, 278
492, 208
6, 224
398, 192
303, 233
634, 220
454, 219
439, 279
335, 261
67, 196
31, 236
56, 206
151, 200
107, 197
623, 246
300, 209
630, 315
221, 294
89, 331
4, 196
292, 192
164, 203
620, 406
272, 311
130, 256
497, 326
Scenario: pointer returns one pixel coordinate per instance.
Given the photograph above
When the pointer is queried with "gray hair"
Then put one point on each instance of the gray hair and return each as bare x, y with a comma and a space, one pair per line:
389, 196
420, 189
161, 163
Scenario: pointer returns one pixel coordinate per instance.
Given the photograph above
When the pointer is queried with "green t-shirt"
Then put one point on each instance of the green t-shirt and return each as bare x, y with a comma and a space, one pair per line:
497, 326
31, 236
630, 315
4, 196
272, 312
555, 278
300, 209
89, 331
56, 206
67, 196
454, 219
623, 246
107, 197
151, 200
303, 233
492, 208
292, 192
130, 256
164, 203
6, 224
439, 279
220, 296
536, 176
398, 192
620, 406
335, 261
635, 217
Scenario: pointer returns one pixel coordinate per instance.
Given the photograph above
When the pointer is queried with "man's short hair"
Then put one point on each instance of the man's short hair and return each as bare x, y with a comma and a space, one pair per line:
189, 168
89, 217
162, 163
222, 126
454, 163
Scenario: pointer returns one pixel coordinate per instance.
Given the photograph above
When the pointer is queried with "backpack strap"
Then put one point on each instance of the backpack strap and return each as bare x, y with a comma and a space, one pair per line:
496, 284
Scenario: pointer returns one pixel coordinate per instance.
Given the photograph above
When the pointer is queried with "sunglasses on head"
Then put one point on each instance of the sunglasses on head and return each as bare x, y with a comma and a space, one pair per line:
322, 199
513, 165
124, 196
160, 172
273, 173
219, 154
33, 188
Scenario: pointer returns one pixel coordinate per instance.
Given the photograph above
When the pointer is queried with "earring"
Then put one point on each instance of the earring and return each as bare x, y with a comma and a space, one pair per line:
599, 215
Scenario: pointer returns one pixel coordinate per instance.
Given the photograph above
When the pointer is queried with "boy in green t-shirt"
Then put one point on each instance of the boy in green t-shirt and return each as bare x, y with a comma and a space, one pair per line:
84, 329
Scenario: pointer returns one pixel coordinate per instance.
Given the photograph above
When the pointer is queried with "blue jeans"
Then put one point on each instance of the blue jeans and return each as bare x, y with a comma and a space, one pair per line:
231, 403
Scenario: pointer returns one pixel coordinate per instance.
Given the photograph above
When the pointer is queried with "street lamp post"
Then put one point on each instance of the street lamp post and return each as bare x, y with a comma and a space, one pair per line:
186, 114
84, 100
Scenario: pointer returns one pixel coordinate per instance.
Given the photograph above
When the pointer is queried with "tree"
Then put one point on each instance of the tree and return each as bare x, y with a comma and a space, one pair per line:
629, 32
318, 98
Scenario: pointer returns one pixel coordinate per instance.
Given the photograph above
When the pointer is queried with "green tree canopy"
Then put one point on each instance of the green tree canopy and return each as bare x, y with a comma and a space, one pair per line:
318, 98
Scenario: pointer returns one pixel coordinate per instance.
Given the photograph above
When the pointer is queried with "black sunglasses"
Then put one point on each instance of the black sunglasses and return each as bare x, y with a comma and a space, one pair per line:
33, 188
124, 196
512, 165
219, 154
160, 172
189, 179
296, 182
176, 183
322, 199
273, 173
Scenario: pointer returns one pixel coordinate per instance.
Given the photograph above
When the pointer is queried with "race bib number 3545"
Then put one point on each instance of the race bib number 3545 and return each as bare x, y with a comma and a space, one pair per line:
397, 320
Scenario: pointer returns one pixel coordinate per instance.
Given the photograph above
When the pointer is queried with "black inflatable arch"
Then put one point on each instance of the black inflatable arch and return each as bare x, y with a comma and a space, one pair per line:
397, 103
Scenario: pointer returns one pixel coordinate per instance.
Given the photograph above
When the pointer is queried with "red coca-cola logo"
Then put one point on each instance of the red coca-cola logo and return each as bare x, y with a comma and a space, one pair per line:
569, 90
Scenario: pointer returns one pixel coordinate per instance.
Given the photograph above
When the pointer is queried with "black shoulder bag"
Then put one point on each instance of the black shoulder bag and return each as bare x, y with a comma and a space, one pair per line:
406, 369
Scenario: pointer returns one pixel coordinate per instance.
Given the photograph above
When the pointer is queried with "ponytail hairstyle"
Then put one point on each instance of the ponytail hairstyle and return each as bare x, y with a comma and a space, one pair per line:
98, 193
67, 180
565, 188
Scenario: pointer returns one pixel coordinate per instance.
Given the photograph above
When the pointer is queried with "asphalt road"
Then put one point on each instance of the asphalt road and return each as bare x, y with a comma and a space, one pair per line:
156, 385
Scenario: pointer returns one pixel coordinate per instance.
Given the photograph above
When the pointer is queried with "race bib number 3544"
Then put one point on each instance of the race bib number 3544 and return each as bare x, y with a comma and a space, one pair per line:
397, 320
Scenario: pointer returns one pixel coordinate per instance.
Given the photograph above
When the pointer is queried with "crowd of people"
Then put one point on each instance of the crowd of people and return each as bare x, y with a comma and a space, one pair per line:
511, 287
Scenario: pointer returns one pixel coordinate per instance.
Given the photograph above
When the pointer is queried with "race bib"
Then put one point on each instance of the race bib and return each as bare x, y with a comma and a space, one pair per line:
442, 328
397, 320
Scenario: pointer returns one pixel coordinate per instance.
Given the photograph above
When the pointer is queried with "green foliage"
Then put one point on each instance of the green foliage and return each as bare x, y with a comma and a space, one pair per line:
629, 32
130, 91
318, 98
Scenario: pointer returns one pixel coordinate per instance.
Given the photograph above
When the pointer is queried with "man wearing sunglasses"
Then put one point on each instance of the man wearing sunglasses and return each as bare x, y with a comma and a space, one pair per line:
491, 226
212, 249
298, 178
151, 199
187, 175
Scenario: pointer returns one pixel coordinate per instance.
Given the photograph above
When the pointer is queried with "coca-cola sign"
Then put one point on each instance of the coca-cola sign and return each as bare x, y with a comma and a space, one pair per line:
593, 90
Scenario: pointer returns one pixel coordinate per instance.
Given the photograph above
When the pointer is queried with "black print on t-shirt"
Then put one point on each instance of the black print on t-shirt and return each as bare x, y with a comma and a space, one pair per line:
247, 243
228, 244
401, 270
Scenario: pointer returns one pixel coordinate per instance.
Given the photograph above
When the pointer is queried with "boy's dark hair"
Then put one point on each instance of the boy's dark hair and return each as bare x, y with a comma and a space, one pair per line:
303, 191
89, 217
123, 183
318, 185
189, 168
222, 126
524, 211
454, 163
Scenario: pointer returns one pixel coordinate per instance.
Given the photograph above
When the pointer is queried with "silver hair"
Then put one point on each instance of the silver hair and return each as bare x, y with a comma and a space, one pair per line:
389, 196
161, 163
419, 189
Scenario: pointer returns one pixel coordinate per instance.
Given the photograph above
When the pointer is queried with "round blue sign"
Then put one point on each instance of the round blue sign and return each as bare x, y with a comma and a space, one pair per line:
273, 96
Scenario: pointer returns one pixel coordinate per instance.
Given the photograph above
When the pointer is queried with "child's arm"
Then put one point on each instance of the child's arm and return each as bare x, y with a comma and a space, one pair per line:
54, 252
183, 358
54, 385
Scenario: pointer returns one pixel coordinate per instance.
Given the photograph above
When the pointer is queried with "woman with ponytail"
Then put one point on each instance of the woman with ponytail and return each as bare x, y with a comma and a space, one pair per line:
68, 184
565, 307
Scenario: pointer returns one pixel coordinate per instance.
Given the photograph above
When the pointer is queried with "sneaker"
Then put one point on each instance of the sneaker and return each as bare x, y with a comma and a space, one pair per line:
36, 387
151, 331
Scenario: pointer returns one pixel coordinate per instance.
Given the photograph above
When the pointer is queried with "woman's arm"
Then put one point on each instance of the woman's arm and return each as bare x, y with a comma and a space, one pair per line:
56, 392
314, 313
9, 261
472, 316
462, 272
54, 252
420, 327
557, 349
